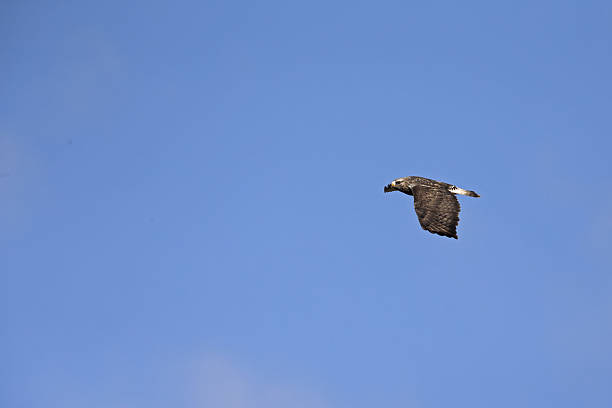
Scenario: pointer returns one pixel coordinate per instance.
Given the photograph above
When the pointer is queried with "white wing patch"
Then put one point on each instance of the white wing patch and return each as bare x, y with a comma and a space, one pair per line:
457, 190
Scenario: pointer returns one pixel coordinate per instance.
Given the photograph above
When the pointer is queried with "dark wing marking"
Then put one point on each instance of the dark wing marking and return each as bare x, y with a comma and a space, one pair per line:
438, 210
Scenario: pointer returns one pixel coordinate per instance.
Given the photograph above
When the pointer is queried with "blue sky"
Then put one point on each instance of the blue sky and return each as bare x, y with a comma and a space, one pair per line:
192, 212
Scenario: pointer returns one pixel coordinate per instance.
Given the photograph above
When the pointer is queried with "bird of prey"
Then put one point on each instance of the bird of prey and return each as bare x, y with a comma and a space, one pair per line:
434, 202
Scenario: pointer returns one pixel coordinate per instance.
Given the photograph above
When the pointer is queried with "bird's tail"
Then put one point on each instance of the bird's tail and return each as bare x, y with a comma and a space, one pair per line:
458, 190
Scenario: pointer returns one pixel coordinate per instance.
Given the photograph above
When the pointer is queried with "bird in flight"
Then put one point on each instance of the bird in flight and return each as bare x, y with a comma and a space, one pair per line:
434, 202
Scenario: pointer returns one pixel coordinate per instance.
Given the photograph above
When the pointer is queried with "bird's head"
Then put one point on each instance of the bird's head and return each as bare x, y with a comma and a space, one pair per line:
394, 186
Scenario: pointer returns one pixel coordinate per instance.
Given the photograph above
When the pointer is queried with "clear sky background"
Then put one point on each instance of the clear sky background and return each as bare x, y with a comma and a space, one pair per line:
192, 209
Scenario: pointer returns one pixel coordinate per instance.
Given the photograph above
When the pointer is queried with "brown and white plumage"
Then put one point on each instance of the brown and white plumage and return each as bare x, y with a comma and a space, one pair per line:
434, 202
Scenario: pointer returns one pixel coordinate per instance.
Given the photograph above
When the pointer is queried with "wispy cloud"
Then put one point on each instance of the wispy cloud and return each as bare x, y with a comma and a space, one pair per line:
222, 384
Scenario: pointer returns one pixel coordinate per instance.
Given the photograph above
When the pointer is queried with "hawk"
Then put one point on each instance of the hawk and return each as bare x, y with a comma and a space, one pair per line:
434, 202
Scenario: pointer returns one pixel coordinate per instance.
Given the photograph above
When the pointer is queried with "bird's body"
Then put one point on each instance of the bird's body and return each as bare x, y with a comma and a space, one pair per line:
434, 202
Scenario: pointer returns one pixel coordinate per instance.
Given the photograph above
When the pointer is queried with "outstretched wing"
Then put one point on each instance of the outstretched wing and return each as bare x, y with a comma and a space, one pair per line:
438, 210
